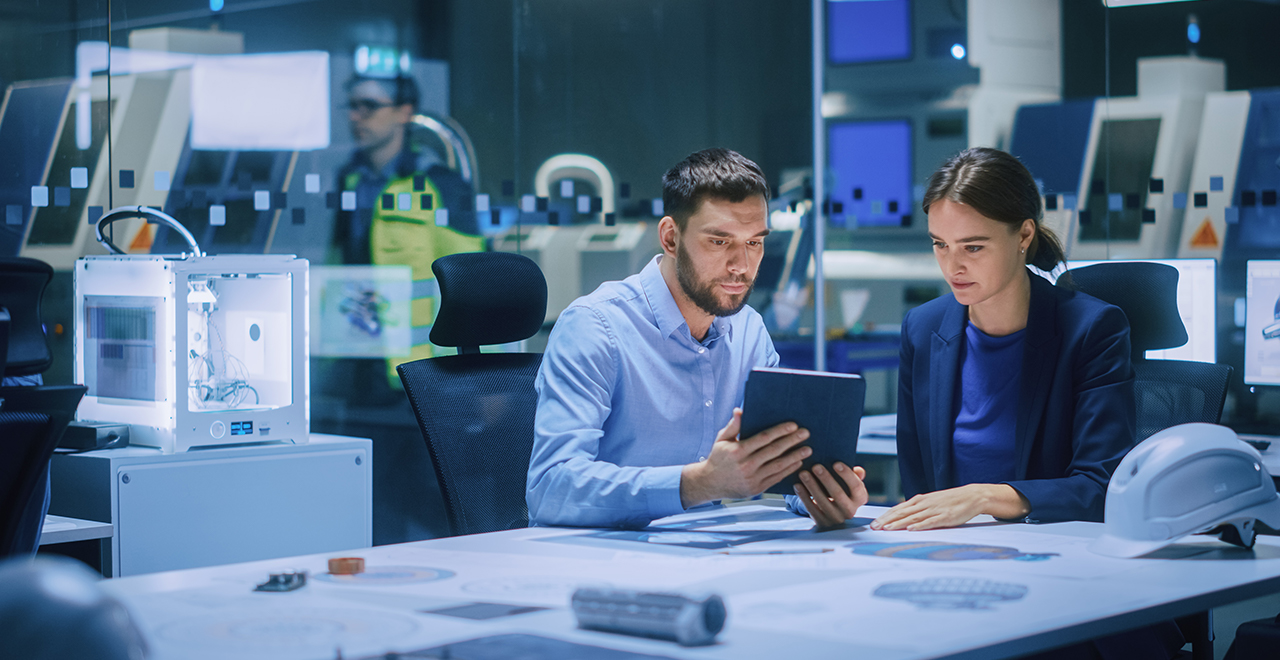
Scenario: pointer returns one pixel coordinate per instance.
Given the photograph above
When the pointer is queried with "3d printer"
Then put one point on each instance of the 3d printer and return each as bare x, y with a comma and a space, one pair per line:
193, 350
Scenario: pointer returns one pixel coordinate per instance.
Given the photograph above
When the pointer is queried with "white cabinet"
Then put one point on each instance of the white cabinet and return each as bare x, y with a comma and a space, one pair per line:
220, 505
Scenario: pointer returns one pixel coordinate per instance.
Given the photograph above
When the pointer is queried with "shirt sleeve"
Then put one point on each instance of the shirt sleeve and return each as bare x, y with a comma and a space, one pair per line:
566, 484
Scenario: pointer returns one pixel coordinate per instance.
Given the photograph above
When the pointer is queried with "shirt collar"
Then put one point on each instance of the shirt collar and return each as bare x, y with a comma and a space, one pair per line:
665, 311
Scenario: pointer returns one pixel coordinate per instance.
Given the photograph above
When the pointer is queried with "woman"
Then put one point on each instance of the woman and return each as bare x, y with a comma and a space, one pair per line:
1015, 396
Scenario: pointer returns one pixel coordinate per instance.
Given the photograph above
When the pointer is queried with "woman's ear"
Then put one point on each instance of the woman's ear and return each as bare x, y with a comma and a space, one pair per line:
1027, 233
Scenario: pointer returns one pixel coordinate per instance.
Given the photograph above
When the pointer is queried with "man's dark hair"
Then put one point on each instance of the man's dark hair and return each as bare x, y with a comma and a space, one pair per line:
403, 90
719, 173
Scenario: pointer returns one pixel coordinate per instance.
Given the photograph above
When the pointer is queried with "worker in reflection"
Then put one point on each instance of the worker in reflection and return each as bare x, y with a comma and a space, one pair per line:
410, 209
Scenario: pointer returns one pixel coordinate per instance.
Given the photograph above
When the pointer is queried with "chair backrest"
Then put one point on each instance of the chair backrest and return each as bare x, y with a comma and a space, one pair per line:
1147, 293
475, 409
22, 284
1172, 392
32, 420
1169, 392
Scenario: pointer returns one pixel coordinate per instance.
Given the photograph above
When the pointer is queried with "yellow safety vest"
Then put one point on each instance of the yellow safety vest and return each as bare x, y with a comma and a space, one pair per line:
411, 237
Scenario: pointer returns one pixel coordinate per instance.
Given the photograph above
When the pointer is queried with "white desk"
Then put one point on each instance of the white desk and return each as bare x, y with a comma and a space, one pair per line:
818, 605
60, 529
219, 505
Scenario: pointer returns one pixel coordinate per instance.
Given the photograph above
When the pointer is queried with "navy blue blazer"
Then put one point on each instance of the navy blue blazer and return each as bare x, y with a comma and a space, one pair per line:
1077, 415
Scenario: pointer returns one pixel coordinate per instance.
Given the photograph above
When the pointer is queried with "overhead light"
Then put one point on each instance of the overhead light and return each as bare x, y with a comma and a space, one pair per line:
957, 51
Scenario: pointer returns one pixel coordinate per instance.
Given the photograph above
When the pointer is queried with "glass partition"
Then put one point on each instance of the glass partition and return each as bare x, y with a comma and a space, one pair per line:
371, 138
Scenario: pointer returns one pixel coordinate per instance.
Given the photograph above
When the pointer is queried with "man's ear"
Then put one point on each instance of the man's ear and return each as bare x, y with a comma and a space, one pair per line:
668, 235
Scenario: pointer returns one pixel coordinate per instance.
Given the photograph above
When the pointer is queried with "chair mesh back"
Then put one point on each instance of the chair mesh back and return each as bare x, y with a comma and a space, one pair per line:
476, 414
32, 420
1172, 392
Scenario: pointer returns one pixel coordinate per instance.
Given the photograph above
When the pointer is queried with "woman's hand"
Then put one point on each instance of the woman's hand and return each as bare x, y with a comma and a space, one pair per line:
829, 503
953, 507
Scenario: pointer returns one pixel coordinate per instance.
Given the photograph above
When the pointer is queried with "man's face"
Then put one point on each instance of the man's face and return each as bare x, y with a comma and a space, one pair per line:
718, 253
375, 118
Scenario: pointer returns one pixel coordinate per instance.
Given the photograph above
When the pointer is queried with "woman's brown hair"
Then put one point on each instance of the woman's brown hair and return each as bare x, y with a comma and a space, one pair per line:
1000, 187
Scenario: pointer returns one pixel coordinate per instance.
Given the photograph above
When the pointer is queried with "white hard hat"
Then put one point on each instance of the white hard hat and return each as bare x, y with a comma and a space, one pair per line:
1186, 479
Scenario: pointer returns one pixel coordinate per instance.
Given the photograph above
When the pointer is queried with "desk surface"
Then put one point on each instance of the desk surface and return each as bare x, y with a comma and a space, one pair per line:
985, 590
60, 529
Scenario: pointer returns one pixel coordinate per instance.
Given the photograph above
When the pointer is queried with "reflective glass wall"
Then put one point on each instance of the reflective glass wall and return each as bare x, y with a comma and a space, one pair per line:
372, 137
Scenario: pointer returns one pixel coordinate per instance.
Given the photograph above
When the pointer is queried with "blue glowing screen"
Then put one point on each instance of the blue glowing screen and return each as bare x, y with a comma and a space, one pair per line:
871, 163
868, 30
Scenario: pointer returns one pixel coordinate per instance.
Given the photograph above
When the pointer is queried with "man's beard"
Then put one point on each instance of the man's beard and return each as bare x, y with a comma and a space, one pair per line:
703, 294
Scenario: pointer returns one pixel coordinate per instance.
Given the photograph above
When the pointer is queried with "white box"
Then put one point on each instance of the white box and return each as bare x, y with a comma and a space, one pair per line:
194, 351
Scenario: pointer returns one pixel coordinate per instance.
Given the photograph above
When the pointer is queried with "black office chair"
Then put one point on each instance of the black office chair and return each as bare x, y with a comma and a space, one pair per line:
476, 409
1168, 392
32, 419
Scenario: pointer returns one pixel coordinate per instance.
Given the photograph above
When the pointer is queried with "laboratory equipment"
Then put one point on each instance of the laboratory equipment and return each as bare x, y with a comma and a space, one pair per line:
193, 350
1117, 190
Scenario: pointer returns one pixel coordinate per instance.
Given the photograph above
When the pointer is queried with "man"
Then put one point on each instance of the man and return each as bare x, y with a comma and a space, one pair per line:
639, 375
400, 188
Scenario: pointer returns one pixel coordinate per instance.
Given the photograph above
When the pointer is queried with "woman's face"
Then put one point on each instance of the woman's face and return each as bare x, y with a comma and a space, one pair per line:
980, 257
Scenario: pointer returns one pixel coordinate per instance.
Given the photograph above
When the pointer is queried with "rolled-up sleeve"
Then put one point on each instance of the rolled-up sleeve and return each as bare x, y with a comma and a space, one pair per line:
567, 484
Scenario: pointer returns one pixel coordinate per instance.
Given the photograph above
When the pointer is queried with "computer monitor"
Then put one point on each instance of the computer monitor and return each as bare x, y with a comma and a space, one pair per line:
860, 31
871, 163
1262, 323
1197, 305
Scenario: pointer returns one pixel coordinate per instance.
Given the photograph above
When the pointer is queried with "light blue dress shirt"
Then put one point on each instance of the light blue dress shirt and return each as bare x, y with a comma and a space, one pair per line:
627, 397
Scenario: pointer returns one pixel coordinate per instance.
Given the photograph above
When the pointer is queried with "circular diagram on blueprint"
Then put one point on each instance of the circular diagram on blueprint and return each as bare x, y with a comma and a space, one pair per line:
941, 551
952, 593
376, 576
279, 634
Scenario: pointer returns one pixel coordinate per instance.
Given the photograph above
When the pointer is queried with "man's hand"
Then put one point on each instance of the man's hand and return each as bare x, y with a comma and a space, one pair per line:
743, 468
954, 506
829, 503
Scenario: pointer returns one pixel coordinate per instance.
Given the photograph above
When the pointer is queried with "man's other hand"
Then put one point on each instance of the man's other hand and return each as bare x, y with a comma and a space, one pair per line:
829, 503
743, 468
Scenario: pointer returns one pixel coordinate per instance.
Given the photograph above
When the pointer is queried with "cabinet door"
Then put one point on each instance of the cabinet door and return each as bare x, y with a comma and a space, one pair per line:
187, 514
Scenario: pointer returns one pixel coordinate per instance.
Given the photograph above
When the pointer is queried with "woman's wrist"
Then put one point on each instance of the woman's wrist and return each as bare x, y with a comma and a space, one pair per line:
1004, 501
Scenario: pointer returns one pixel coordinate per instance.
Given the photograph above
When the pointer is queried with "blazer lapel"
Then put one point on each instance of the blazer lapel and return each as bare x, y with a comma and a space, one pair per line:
944, 366
1039, 358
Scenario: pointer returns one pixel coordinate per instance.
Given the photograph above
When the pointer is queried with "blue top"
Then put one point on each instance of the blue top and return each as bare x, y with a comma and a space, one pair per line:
1076, 414
627, 397
983, 447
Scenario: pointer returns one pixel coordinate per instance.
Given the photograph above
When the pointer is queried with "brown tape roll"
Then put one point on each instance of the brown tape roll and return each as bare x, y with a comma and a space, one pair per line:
346, 565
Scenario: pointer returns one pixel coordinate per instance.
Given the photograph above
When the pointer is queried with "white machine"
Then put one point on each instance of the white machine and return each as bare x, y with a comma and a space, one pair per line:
1129, 171
150, 116
193, 350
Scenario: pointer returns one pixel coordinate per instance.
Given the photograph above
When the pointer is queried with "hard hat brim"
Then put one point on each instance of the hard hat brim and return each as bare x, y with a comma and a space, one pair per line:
1114, 546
